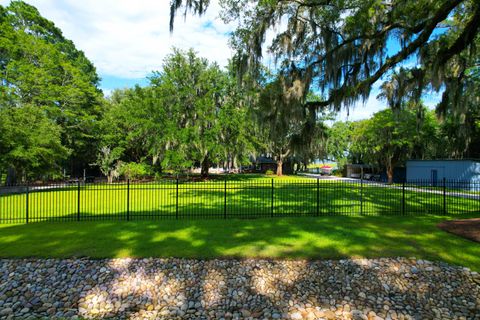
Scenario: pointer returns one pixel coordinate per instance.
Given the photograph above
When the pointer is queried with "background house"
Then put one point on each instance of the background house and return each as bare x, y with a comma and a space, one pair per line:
462, 171
262, 164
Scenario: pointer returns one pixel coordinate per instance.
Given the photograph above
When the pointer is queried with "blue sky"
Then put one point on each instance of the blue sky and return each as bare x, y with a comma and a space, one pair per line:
127, 40
112, 82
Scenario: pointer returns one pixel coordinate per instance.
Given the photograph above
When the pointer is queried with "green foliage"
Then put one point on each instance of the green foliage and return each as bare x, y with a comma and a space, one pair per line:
340, 48
239, 136
205, 121
192, 113
289, 129
280, 119
337, 173
461, 126
192, 90
134, 121
42, 69
269, 172
391, 137
107, 161
134, 171
30, 143
339, 142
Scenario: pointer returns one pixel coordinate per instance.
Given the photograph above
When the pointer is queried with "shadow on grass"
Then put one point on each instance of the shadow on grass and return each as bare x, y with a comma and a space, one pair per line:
310, 238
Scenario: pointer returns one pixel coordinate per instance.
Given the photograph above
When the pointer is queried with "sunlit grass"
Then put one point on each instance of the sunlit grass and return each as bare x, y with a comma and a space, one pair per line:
311, 238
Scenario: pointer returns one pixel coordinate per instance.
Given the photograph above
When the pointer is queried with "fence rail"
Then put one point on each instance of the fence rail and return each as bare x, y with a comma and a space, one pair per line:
233, 199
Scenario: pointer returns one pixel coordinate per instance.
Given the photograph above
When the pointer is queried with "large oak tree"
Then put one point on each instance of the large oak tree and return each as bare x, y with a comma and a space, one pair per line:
342, 47
40, 68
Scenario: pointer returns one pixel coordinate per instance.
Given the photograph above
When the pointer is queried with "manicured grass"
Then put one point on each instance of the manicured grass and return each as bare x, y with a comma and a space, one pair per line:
241, 196
310, 238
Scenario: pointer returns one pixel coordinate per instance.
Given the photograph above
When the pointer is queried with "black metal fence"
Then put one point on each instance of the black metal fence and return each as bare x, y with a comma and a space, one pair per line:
233, 199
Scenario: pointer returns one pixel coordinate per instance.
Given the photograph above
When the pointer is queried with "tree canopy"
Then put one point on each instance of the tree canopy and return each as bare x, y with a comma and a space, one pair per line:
192, 113
54, 119
340, 48
391, 137
40, 68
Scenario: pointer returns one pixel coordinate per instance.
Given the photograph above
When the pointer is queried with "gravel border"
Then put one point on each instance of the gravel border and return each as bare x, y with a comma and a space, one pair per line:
390, 288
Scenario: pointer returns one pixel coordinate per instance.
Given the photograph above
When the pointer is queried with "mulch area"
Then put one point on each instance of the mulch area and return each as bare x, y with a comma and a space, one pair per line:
467, 228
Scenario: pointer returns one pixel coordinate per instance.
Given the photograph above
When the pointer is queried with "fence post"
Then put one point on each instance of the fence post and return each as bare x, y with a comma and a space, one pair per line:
403, 197
176, 201
361, 194
318, 196
444, 196
225, 201
78, 200
26, 206
128, 199
271, 212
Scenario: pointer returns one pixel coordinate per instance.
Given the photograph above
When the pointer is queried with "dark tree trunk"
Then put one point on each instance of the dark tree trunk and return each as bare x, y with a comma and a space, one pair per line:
11, 177
204, 167
160, 169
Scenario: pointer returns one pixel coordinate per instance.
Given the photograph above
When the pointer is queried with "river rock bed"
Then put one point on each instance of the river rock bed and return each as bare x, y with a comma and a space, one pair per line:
393, 288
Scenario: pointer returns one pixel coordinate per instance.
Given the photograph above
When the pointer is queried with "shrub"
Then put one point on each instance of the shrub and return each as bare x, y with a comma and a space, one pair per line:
133, 170
337, 173
269, 172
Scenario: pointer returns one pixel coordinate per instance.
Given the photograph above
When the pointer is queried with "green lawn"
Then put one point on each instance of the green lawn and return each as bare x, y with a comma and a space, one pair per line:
311, 238
242, 196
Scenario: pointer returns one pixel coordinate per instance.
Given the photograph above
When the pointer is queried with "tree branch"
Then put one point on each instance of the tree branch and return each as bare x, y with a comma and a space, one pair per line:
440, 15
466, 37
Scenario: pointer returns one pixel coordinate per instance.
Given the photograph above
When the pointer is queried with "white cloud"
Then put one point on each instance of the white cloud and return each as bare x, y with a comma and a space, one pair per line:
129, 39
107, 92
365, 110
362, 110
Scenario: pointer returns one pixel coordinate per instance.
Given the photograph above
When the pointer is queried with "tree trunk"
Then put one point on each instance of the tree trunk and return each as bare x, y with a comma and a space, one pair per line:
204, 168
390, 174
279, 167
11, 177
110, 178
160, 168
